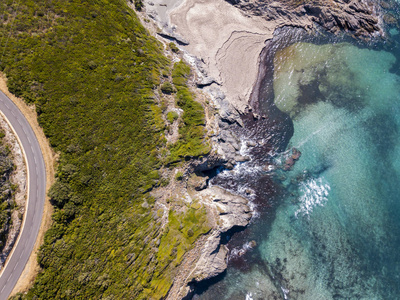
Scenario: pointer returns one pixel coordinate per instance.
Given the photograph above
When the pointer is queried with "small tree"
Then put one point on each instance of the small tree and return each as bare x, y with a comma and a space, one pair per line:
139, 5
179, 175
59, 193
167, 88
173, 47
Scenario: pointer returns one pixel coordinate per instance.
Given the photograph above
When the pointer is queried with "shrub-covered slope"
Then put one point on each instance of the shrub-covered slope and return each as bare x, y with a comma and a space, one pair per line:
91, 69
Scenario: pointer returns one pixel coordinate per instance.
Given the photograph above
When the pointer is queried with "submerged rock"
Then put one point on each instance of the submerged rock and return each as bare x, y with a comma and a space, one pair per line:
296, 154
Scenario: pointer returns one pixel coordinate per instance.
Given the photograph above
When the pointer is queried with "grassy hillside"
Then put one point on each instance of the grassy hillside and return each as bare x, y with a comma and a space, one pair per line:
91, 69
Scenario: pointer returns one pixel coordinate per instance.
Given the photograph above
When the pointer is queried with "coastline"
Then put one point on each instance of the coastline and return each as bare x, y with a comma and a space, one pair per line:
225, 47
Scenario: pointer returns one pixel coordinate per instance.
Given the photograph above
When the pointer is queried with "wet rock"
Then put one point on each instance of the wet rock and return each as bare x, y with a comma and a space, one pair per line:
288, 164
248, 191
253, 244
296, 153
239, 252
240, 158
229, 166
251, 144
291, 160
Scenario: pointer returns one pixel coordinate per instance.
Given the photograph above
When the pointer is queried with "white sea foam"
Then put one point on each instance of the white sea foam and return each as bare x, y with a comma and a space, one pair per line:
241, 168
240, 251
244, 149
314, 192
285, 292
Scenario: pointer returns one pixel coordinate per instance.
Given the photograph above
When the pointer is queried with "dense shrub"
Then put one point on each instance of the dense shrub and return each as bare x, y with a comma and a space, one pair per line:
191, 141
91, 70
139, 5
173, 47
167, 88
172, 116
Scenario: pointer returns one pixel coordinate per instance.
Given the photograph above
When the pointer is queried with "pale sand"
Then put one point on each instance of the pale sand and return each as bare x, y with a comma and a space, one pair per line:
32, 268
229, 43
162, 8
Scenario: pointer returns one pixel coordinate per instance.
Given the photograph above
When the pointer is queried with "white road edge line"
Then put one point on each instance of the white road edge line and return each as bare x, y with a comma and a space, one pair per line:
27, 198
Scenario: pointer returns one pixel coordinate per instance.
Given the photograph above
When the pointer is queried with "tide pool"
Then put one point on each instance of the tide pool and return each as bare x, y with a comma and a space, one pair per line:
335, 232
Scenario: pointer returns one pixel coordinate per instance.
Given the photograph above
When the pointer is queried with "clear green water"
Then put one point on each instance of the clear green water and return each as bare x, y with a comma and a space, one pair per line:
336, 233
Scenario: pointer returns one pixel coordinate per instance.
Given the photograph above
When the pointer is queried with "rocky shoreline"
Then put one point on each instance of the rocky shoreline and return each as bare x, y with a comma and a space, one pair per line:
357, 17
225, 43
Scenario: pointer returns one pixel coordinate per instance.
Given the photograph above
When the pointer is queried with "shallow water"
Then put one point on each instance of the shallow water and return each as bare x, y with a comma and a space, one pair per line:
334, 229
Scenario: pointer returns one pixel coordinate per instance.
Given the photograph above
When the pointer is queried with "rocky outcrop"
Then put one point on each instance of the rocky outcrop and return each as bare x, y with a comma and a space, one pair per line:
213, 259
210, 258
355, 16
233, 210
170, 35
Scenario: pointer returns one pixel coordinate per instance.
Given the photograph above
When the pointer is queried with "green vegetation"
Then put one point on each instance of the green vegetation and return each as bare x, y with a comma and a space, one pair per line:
172, 116
167, 88
183, 231
191, 131
91, 70
179, 175
6, 189
173, 47
139, 5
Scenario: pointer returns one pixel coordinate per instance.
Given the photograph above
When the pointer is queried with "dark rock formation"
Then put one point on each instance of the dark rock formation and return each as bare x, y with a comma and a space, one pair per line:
355, 16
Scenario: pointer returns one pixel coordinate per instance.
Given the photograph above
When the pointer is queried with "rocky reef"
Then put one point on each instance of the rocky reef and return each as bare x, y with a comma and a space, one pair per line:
209, 257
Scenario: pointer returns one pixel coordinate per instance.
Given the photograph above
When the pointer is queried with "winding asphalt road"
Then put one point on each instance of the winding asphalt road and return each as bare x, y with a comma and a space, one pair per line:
36, 196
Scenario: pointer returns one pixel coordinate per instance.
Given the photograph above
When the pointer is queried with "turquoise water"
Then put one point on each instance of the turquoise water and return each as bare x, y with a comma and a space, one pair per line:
335, 231
342, 242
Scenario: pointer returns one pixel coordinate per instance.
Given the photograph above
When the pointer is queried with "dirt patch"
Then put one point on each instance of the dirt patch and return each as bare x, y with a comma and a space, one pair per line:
50, 158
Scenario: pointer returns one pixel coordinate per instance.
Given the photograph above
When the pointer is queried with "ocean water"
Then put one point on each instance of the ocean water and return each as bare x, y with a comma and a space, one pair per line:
333, 229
